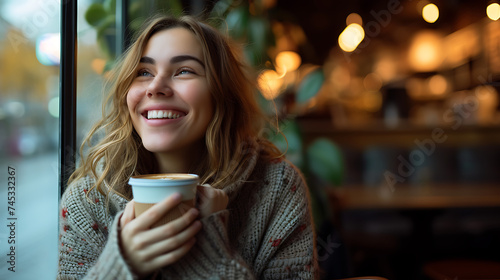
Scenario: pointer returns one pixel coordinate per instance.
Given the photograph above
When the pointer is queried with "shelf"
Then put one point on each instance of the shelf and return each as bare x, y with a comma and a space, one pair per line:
403, 136
413, 197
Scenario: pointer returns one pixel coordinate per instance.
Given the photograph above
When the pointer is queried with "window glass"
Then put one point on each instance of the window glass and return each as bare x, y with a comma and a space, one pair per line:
29, 125
29, 129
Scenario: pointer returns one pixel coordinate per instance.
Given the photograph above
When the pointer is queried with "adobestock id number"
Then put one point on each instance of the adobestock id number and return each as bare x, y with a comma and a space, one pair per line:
11, 191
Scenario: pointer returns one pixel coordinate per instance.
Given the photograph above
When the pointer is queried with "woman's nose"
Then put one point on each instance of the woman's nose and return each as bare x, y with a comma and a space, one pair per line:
159, 87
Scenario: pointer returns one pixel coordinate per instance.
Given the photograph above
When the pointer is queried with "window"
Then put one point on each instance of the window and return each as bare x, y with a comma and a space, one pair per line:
29, 125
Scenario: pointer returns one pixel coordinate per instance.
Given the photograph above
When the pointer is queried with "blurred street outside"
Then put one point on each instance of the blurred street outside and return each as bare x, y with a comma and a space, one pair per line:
36, 210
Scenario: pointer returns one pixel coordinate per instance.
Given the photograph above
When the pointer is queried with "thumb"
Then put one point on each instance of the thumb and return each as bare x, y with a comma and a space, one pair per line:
201, 193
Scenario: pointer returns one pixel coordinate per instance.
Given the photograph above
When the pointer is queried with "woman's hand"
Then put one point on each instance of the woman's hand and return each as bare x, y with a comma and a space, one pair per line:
210, 200
148, 249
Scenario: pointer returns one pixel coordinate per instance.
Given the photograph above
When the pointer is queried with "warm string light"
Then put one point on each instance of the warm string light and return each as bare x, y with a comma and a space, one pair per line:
430, 13
271, 82
426, 52
493, 11
351, 37
287, 61
354, 18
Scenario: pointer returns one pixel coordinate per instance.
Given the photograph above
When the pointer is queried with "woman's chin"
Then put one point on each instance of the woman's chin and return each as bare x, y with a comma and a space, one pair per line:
164, 147
157, 148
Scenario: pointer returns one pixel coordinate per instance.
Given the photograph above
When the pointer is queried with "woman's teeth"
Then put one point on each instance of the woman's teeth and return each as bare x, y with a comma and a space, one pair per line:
162, 114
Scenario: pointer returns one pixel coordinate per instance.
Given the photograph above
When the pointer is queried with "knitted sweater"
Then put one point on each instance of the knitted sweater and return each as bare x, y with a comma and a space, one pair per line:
266, 232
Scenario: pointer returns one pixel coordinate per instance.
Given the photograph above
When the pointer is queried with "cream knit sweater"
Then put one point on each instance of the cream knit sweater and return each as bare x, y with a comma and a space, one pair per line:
266, 232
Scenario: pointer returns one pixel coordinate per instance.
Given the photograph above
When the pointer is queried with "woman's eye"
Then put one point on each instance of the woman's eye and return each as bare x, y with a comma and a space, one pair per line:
184, 71
143, 73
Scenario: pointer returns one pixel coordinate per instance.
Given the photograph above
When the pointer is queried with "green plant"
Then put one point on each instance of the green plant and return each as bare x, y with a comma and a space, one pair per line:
101, 15
245, 21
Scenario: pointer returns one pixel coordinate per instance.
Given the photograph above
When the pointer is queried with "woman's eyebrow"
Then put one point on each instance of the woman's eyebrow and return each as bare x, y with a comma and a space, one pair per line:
181, 58
147, 59
173, 60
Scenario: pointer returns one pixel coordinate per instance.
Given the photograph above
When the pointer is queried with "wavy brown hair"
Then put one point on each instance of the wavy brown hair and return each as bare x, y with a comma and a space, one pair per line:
231, 137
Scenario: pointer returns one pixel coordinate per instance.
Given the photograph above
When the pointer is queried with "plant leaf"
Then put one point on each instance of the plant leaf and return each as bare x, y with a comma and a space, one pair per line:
170, 7
220, 8
136, 10
291, 131
110, 6
106, 36
237, 21
257, 34
325, 160
310, 85
95, 14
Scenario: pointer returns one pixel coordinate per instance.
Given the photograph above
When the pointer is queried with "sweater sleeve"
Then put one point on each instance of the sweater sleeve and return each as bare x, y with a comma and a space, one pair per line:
88, 249
286, 248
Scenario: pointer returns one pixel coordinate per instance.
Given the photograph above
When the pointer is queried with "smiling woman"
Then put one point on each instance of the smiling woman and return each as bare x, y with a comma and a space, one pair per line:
182, 101
171, 82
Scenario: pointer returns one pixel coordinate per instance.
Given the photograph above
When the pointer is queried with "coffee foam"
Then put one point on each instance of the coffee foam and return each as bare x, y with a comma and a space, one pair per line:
170, 176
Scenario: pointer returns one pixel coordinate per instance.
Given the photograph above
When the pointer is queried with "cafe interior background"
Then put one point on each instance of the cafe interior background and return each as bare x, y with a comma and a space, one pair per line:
390, 109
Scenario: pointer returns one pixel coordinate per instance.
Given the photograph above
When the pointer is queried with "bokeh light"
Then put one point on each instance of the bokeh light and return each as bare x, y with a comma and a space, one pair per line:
493, 11
354, 18
438, 85
287, 61
426, 53
48, 49
15, 109
98, 65
54, 107
430, 13
351, 37
270, 83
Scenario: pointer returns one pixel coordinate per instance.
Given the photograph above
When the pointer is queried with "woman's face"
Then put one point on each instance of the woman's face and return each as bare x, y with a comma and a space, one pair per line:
169, 100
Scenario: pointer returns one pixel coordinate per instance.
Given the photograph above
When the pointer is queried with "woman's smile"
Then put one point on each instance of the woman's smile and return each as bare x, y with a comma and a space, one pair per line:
163, 114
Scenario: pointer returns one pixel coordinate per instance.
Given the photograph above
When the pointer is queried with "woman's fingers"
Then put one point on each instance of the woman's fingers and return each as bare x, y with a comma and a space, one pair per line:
128, 214
156, 212
211, 200
170, 229
168, 245
147, 249
173, 256
169, 258
146, 259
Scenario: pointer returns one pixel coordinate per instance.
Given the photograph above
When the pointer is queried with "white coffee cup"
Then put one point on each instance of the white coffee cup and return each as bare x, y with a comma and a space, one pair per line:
152, 188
